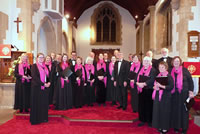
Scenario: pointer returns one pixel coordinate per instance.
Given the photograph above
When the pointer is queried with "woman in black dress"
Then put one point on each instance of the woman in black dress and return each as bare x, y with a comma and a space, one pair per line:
64, 98
51, 68
79, 80
23, 84
145, 82
135, 67
39, 91
101, 81
162, 99
182, 90
90, 81
110, 79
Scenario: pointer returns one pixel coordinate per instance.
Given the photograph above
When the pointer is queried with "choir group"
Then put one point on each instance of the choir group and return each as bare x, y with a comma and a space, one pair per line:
159, 88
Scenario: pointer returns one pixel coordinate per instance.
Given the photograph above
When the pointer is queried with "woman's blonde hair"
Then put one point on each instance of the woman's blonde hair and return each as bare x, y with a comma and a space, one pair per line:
22, 55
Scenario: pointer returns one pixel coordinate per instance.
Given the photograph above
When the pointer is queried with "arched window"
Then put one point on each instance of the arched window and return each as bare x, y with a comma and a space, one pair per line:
106, 24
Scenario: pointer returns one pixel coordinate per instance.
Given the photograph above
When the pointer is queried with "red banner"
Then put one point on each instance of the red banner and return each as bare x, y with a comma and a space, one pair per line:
5, 51
193, 68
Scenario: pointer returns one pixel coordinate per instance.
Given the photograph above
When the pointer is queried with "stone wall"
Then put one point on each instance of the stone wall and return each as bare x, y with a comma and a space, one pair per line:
7, 93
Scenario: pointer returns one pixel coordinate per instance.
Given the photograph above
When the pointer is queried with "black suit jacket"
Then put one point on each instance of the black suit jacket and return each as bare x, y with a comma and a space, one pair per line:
169, 62
122, 76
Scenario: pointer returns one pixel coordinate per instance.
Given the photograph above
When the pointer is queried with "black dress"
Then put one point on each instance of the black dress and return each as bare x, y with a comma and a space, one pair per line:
22, 90
90, 89
111, 89
100, 87
162, 108
145, 102
134, 93
179, 114
52, 79
39, 98
64, 98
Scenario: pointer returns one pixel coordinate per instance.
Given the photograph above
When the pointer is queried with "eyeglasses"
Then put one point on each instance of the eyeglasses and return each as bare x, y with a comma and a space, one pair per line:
40, 57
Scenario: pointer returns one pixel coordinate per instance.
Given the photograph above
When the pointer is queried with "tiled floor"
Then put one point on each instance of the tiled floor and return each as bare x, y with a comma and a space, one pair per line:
5, 115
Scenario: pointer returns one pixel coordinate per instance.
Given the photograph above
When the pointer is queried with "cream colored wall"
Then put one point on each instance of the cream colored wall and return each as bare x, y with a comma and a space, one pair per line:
128, 33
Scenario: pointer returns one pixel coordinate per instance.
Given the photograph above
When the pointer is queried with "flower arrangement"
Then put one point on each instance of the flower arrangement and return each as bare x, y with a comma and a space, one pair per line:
12, 69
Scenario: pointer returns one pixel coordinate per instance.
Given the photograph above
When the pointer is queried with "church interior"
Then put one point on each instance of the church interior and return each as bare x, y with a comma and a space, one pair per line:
63, 26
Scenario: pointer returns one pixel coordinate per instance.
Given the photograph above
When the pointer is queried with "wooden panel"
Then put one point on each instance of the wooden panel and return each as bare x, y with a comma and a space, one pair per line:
193, 44
6, 64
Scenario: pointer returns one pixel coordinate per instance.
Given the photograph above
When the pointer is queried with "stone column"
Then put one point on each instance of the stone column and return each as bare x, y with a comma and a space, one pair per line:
141, 37
152, 28
185, 15
70, 36
27, 26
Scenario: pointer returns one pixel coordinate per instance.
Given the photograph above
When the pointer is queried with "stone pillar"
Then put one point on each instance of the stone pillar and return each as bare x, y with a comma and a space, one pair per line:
185, 15
70, 37
152, 29
141, 37
27, 26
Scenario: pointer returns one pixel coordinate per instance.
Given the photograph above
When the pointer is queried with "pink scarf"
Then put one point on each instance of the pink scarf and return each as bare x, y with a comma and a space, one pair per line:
99, 66
160, 91
111, 68
137, 66
49, 64
44, 72
179, 83
83, 73
146, 73
64, 65
21, 70
88, 68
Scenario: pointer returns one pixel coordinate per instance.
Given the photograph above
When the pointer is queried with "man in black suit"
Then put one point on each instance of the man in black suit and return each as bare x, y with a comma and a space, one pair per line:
121, 71
166, 58
72, 61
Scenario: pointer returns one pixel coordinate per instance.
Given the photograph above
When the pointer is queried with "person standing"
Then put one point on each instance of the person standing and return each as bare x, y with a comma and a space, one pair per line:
135, 68
39, 91
23, 84
101, 81
90, 81
111, 87
72, 60
145, 82
165, 57
64, 98
182, 90
162, 99
79, 80
121, 71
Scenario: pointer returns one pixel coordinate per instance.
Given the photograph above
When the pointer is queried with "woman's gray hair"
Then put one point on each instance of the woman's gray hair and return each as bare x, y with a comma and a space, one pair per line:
148, 58
88, 58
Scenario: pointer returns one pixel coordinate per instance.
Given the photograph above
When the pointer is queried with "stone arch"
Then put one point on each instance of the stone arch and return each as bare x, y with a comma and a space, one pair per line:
46, 37
65, 43
3, 26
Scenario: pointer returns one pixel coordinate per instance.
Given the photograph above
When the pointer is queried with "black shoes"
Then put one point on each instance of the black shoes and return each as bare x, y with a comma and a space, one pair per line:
21, 110
124, 108
176, 130
141, 124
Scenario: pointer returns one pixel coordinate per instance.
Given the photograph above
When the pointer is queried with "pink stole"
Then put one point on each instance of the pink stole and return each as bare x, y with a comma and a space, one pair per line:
88, 68
137, 66
104, 67
64, 65
111, 68
49, 64
179, 83
21, 70
44, 72
83, 73
146, 73
160, 91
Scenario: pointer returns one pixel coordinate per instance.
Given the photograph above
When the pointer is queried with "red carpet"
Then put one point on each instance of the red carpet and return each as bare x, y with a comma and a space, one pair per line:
60, 125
